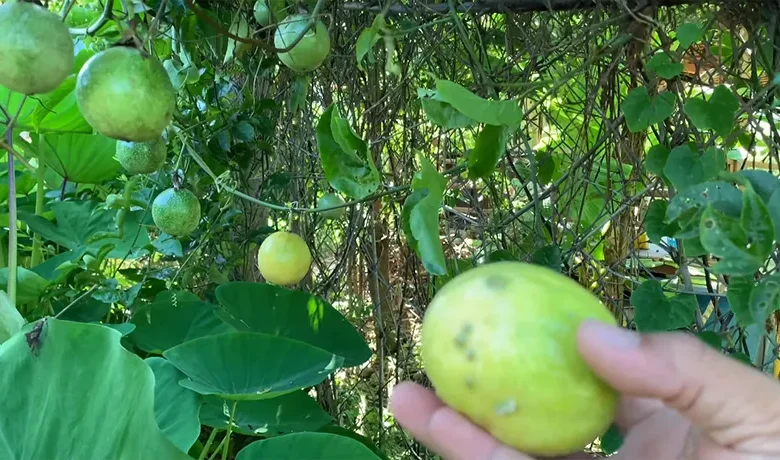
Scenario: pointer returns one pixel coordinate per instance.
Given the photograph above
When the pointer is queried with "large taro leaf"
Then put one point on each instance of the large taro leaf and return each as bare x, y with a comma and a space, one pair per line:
175, 407
293, 412
82, 397
80, 158
297, 446
250, 365
298, 315
172, 319
77, 222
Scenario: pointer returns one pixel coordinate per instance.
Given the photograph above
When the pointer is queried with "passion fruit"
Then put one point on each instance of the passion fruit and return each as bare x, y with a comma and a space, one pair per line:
126, 94
36, 51
262, 13
328, 201
176, 212
311, 51
499, 345
283, 258
141, 157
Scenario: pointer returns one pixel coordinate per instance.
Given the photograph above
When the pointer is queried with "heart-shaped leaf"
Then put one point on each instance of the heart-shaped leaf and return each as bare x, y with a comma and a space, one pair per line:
250, 365
293, 412
270, 309
172, 319
642, 111
717, 113
653, 311
297, 446
82, 396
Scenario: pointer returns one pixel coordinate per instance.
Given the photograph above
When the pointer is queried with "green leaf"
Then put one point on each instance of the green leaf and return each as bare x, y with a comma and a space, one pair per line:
299, 315
738, 294
663, 66
175, 407
421, 217
693, 247
296, 446
757, 224
11, 321
656, 159
710, 338
723, 236
85, 310
366, 41
290, 413
642, 111
299, 90
765, 298
341, 431
655, 225
773, 207
497, 113
348, 165
545, 167
654, 312
685, 167
96, 397
612, 440
81, 158
172, 319
717, 113
58, 111
688, 34
548, 256
441, 113
29, 285
692, 201
763, 182
78, 221
489, 148
250, 365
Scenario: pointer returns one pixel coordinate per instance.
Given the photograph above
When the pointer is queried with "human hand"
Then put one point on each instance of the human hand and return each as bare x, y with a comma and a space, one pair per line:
680, 399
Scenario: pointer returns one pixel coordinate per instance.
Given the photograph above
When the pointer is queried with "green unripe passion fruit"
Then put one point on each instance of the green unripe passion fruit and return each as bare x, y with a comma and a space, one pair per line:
262, 13
328, 201
311, 51
36, 51
141, 157
176, 212
283, 258
126, 94
499, 345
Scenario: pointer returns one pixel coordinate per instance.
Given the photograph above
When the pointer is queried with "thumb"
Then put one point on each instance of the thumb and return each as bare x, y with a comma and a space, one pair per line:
718, 394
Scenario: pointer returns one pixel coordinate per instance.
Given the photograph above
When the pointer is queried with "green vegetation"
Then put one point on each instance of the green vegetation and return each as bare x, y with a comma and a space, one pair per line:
224, 223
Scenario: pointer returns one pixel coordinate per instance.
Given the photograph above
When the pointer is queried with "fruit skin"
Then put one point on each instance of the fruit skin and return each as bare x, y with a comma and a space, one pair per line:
262, 13
126, 94
310, 52
36, 50
141, 157
283, 258
176, 212
328, 201
499, 345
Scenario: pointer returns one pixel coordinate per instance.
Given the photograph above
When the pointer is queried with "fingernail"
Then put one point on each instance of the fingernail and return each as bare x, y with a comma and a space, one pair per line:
611, 336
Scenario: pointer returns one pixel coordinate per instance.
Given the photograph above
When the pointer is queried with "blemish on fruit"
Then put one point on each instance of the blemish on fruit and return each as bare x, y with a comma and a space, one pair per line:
471, 355
507, 407
462, 339
496, 282
471, 383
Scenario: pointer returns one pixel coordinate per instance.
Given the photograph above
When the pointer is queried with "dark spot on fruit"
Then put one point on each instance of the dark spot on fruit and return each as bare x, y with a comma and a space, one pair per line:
462, 339
471, 355
471, 384
496, 282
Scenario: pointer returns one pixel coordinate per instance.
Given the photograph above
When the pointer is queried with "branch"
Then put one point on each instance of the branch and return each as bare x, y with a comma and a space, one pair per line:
251, 41
518, 6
